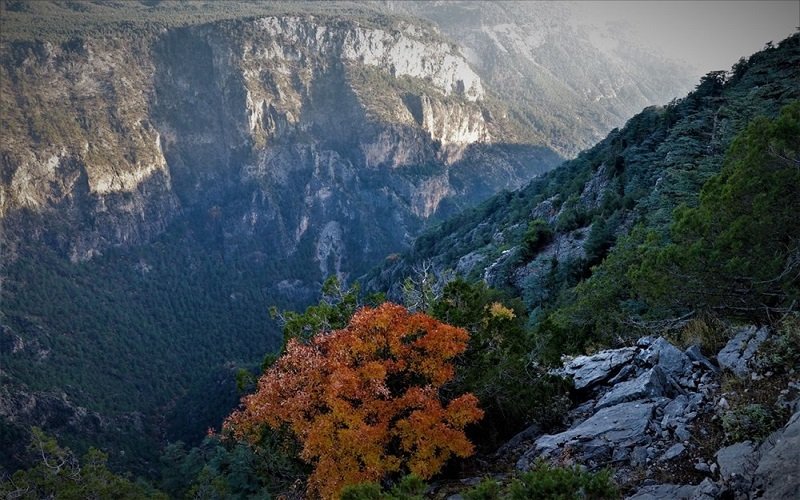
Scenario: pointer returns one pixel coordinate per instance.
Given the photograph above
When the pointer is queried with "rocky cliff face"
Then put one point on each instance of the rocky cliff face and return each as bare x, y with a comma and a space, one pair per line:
671, 425
539, 56
289, 125
79, 146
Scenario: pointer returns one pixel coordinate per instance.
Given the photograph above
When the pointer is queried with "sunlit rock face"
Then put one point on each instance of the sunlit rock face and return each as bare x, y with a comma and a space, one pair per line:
546, 60
284, 127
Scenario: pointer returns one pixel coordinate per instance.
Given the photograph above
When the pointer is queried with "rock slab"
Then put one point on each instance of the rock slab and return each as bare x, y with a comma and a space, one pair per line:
739, 351
778, 472
621, 425
652, 383
587, 371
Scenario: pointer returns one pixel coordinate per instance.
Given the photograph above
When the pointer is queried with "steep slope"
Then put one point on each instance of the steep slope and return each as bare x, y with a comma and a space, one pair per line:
567, 81
168, 173
290, 102
636, 175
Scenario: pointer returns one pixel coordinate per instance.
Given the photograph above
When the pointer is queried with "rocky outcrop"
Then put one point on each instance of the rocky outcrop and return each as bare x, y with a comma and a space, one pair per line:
777, 474
587, 371
645, 413
282, 126
79, 146
642, 402
738, 353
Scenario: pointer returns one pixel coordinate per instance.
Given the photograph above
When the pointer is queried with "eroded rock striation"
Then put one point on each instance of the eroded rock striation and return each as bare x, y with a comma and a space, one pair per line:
286, 124
646, 412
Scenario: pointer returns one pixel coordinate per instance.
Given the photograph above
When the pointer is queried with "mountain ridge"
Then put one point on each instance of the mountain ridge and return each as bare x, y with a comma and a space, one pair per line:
167, 177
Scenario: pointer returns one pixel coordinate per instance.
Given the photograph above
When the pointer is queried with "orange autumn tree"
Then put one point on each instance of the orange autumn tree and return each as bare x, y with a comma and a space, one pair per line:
364, 401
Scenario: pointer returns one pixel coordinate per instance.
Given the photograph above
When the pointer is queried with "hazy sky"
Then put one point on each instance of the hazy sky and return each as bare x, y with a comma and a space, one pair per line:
709, 35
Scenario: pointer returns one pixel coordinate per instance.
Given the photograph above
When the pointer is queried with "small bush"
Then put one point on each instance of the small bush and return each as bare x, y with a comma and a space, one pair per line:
753, 421
547, 482
538, 235
706, 331
488, 489
781, 353
410, 487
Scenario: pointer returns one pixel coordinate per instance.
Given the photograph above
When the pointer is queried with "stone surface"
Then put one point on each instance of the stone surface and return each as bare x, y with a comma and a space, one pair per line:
738, 352
706, 490
590, 370
651, 383
693, 353
528, 434
624, 374
673, 452
639, 456
623, 425
735, 460
702, 467
674, 411
682, 433
665, 355
639, 413
664, 492
778, 473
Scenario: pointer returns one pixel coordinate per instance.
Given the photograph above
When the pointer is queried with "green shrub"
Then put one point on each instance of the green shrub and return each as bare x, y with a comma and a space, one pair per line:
753, 421
572, 217
538, 235
487, 489
567, 483
409, 488
497, 366
546, 482
782, 351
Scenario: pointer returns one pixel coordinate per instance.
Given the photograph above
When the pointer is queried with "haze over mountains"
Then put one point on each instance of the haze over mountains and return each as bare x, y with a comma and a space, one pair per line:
170, 170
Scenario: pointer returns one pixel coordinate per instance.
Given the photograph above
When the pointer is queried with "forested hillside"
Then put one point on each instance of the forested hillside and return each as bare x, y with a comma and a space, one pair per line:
177, 183
589, 220
698, 394
169, 170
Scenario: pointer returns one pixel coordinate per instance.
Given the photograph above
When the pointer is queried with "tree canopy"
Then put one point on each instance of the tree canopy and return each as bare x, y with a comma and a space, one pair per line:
365, 400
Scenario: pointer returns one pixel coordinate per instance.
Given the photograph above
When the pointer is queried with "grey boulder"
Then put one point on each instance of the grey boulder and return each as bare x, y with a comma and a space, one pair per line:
621, 425
666, 356
739, 351
673, 452
652, 383
778, 472
736, 460
693, 353
590, 370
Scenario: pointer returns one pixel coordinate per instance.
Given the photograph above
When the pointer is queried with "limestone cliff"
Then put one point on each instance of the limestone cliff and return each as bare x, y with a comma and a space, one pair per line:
289, 123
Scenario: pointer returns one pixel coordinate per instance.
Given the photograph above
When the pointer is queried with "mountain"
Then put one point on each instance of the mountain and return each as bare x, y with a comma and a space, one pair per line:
564, 78
168, 172
561, 230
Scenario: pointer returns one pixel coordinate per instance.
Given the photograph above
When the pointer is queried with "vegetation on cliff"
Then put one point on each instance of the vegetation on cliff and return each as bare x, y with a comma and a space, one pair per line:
679, 221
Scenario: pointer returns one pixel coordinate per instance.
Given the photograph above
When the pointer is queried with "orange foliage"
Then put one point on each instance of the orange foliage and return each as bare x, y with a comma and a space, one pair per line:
364, 401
